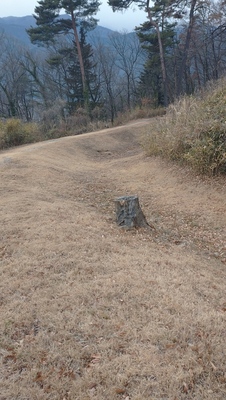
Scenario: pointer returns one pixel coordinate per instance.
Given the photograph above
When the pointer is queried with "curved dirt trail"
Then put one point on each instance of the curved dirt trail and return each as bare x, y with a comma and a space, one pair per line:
90, 311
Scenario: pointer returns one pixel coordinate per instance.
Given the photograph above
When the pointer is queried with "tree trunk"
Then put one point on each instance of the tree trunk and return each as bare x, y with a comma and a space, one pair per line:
80, 57
161, 55
129, 213
186, 48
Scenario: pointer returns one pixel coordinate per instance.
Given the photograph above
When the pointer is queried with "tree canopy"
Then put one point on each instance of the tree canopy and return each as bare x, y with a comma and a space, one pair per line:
50, 24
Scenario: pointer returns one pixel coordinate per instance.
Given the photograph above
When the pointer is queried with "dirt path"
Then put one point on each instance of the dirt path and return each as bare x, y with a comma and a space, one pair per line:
93, 312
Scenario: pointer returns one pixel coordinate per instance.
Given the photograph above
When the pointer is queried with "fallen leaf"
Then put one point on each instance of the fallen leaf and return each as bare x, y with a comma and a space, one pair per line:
95, 359
92, 385
119, 391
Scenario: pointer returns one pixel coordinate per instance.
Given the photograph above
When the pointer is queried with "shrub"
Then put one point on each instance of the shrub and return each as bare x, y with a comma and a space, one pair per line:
52, 118
139, 113
193, 131
14, 132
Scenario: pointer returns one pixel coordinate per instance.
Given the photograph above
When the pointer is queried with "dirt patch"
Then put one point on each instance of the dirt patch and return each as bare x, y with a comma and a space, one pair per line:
90, 311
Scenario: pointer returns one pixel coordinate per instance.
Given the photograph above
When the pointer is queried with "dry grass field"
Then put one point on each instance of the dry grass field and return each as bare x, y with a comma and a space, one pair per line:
92, 311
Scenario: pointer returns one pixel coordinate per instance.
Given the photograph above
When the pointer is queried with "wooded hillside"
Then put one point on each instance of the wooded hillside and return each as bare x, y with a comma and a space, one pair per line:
177, 50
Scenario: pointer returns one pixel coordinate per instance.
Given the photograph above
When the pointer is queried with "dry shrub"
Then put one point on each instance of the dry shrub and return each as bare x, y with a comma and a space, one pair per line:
55, 124
52, 119
78, 122
81, 121
193, 131
98, 113
138, 113
148, 112
148, 109
14, 132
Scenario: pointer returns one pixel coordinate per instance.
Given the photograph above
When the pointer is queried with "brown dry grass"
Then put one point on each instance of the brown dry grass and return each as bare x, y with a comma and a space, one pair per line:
193, 131
89, 311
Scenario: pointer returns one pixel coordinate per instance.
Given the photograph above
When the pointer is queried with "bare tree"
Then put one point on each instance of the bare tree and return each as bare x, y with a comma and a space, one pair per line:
128, 59
16, 92
109, 77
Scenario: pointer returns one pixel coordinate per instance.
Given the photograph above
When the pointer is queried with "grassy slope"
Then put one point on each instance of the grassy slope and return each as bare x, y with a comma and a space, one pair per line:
193, 131
89, 311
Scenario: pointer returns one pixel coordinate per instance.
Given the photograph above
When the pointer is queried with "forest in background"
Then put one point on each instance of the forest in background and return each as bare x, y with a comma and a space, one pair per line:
176, 51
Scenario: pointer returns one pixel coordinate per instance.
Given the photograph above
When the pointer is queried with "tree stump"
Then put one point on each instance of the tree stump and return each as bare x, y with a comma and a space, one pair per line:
129, 213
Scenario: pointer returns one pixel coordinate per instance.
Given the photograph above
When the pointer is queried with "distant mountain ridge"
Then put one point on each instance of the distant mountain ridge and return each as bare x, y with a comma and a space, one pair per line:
16, 28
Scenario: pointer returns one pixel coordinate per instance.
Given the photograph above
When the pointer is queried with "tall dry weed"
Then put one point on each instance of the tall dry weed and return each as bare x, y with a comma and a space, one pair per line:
193, 131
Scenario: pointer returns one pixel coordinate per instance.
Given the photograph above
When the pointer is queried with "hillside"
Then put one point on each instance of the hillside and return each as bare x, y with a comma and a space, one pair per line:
16, 28
90, 311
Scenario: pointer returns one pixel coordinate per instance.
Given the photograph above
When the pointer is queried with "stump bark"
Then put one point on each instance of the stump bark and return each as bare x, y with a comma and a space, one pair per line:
129, 213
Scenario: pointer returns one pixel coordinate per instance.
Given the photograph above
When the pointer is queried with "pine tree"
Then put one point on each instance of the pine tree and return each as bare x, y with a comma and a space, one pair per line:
50, 24
160, 10
151, 82
65, 59
74, 78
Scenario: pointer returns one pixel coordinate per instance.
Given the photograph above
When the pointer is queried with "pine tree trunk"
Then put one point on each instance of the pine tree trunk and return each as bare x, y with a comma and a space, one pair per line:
80, 57
161, 55
186, 48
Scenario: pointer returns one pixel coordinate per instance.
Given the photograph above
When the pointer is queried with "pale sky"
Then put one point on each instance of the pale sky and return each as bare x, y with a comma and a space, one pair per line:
118, 21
